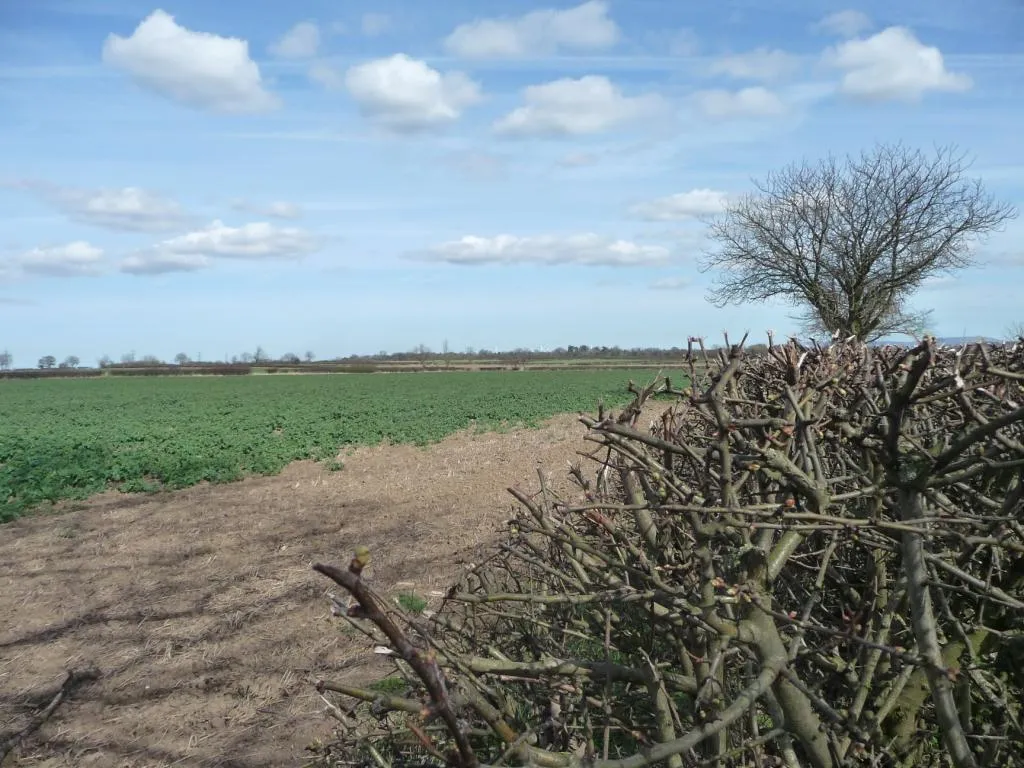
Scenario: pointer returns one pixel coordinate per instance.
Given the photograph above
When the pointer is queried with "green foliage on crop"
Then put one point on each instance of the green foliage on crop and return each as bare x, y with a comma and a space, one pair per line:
68, 438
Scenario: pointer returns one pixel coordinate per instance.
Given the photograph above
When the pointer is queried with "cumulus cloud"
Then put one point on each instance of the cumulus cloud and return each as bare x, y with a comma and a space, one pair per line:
574, 107
893, 65
128, 209
587, 249
761, 64
585, 27
722, 104
682, 205
299, 42
197, 69
257, 241
76, 259
403, 94
373, 24
848, 23
278, 209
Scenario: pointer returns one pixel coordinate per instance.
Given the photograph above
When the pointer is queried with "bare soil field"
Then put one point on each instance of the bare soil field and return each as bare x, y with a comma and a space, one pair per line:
201, 612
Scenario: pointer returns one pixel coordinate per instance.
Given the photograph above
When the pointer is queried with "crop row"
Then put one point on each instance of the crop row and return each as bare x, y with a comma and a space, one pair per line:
65, 439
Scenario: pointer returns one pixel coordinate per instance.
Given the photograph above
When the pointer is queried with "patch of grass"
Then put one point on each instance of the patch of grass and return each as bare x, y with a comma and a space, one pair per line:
410, 602
588, 649
389, 685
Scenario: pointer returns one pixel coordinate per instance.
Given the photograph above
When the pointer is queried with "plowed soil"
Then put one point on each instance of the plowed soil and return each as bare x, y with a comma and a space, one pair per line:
201, 612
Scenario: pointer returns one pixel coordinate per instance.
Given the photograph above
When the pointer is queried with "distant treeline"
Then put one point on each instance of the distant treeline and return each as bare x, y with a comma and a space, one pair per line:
421, 359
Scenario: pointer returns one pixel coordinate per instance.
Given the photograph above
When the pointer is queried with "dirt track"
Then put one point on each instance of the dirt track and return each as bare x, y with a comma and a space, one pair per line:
200, 609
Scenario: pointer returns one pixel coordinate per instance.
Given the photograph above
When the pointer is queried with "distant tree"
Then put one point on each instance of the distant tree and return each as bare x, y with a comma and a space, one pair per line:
245, 357
71, 361
152, 360
182, 359
310, 357
104, 361
261, 356
48, 361
849, 244
1015, 331
290, 357
5, 360
128, 357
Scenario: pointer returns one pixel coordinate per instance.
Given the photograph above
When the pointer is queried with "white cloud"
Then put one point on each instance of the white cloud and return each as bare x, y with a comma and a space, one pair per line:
128, 209
197, 69
299, 42
158, 263
373, 24
584, 249
682, 205
748, 102
573, 107
848, 23
585, 27
671, 284
760, 64
893, 65
75, 259
255, 241
278, 209
404, 94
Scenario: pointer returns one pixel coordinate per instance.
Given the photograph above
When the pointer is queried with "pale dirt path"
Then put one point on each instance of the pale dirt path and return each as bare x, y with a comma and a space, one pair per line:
200, 608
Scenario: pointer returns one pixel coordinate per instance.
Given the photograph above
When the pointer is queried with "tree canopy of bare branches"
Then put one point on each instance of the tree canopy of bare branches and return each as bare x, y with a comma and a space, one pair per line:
814, 557
850, 243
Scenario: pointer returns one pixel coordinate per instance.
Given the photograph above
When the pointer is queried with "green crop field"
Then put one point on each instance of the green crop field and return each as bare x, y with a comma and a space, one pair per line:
67, 439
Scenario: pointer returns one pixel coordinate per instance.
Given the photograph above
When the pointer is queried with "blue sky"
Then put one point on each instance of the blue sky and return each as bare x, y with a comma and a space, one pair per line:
207, 177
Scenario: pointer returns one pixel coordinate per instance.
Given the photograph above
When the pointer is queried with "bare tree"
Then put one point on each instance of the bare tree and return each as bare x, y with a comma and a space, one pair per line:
128, 357
5, 360
290, 357
310, 357
261, 356
849, 244
47, 361
181, 358
71, 361
105, 361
